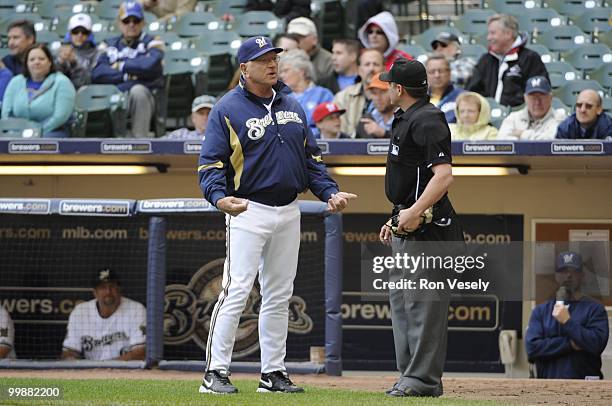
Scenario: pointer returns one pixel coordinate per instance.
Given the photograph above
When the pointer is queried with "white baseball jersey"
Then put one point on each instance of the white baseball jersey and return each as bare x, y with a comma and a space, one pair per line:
7, 332
98, 338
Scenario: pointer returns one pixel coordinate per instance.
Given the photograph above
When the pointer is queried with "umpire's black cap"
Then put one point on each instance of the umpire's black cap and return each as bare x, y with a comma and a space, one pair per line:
105, 275
410, 74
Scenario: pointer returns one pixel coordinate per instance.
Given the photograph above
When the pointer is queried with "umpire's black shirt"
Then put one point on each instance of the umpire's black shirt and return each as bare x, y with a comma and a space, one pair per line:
420, 139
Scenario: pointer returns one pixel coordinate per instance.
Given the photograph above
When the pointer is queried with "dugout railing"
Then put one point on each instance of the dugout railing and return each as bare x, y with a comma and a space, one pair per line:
174, 249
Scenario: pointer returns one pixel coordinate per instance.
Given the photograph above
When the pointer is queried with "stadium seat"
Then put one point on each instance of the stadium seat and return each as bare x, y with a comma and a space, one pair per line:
540, 19
108, 9
19, 128
173, 42
99, 108
607, 105
514, 7
558, 105
416, 51
561, 73
473, 50
57, 8
218, 42
180, 88
256, 23
544, 52
589, 57
570, 7
474, 21
568, 92
605, 38
562, 39
220, 73
594, 20
427, 36
603, 75
196, 24
8, 7
232, 7
498, 112
52, 39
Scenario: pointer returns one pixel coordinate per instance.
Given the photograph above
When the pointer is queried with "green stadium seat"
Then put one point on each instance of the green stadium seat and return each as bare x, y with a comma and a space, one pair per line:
57, 8
99, 108
605, 38
427, 36
514, 7
561, 39
52, 39
108, 9
218, 42
544, 52
594, 20
416, 51
474, 21
8, 7
568, 92
473, 50
540, 19
558, 105
589, 57
560, 73
173, 42
19, 128
603, 75
480, 39
570, 7
607, 105
180, 89
255, 23
232, 7
498, 112
196, 24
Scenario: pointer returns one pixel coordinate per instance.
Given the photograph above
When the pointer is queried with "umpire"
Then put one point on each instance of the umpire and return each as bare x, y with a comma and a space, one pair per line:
418, 176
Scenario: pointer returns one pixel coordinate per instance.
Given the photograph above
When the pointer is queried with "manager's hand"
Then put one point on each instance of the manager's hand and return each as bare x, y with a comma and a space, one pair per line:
337, 202
232, 205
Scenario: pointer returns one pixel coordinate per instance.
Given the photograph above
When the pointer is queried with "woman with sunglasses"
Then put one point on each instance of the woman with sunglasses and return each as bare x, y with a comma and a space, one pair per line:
78, 55
380, 32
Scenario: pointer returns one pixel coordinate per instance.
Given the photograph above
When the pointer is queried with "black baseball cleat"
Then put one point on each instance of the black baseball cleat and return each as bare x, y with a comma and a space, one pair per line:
277, 381
217, 383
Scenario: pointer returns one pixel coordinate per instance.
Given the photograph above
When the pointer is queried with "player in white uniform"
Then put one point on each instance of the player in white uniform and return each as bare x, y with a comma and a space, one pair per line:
109, 327
7, 335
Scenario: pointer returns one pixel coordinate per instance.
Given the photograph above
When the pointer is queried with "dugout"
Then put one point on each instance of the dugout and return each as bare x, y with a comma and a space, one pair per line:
544, 190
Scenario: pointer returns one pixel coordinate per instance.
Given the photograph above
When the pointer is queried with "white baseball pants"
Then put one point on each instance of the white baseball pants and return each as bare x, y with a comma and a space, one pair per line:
264, 235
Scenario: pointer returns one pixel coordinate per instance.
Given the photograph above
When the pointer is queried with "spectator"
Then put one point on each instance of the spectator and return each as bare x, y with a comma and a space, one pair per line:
292, 9
589, 121
447, 44
5, 78
503, 72
21, 36
200, 109
109, 327
169, 9
296, 71
285, 41
344, 61
133, 62
473, 114
355, 99
442, 92
77, 57
41, 94
380, 32
377, 124
7, 335
327, 119
565, 337
537, 120
308, 40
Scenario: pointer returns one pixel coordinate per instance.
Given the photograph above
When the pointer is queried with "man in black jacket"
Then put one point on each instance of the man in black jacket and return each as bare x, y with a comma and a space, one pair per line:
503, 72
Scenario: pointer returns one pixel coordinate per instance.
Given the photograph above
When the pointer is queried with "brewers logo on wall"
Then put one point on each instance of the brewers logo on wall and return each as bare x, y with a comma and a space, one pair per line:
188, 309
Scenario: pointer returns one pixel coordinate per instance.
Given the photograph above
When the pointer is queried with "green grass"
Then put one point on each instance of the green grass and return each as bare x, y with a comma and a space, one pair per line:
165, 392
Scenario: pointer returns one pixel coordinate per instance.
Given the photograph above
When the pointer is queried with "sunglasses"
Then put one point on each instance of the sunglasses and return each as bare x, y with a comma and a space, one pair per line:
370, 31
587, 106
131, 20
79, 30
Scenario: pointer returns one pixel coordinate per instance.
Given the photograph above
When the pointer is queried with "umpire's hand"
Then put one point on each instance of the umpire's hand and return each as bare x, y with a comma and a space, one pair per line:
232, 205
337, 202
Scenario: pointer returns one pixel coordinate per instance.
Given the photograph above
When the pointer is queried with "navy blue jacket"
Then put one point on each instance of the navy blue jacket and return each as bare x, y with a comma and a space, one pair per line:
447, 102
13, 63
126, 66
548, 342
570, 128
252, 154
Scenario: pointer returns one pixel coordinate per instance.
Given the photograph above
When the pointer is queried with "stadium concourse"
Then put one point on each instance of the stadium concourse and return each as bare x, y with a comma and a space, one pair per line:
456, 386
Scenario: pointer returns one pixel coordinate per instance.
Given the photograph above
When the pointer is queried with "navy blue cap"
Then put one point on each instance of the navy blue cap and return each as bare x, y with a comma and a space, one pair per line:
569, 259
538, 84
105, 275
255, 47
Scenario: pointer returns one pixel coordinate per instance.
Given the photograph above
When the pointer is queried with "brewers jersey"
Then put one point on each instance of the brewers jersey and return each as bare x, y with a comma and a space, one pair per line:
97, 338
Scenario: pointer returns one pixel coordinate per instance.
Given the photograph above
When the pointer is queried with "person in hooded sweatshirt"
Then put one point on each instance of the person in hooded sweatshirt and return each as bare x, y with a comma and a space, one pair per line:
473, 114
504, 70
77, 57
380, 32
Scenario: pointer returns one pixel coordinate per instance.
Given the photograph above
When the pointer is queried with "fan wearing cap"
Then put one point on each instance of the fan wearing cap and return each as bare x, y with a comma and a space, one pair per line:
567, 334
133, 62
377, 124
78, 55
417, 179
258, 155
380, 32
308, 39
200, 110
538, 120
461, 67
108, 327
327, 119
